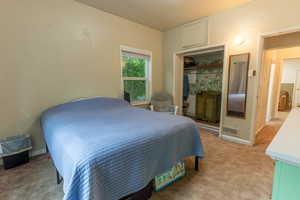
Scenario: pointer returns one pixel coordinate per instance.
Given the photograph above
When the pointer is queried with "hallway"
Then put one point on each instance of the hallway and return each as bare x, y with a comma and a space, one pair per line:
268, 132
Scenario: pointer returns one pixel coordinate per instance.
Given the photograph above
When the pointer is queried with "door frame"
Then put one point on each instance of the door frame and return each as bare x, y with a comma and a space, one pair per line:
294, 103
178, 63
260, 54
270, 91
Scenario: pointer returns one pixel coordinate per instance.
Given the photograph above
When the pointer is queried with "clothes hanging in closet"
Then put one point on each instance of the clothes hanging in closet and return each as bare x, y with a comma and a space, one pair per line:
186, 87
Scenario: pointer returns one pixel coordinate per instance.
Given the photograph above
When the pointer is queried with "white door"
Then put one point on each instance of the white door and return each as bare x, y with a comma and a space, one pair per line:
297, 90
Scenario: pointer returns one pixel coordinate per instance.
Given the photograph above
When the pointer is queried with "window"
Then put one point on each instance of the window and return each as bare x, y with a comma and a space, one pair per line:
136, 79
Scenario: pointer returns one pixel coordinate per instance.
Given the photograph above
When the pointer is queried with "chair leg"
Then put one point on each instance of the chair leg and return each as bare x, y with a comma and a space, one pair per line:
196, 163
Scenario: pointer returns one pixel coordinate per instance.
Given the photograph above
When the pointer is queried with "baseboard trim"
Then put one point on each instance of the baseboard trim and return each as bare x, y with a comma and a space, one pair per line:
32, 154
37, 152
209, 127
236, 140
258, 130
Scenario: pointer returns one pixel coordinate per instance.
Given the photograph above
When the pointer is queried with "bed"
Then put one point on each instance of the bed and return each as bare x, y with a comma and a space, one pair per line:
106, 149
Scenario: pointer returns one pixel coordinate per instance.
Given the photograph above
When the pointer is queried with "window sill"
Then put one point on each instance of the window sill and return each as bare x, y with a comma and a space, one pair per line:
140, 103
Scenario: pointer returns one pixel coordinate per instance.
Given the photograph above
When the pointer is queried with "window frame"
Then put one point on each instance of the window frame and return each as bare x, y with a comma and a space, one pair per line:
148, 77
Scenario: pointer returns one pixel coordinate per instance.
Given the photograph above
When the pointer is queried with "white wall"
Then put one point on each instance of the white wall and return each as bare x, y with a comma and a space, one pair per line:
270, 94
249, 20
289, 70
52, 51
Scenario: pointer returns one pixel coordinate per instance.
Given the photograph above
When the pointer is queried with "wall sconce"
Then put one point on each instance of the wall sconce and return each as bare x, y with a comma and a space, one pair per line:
239, 40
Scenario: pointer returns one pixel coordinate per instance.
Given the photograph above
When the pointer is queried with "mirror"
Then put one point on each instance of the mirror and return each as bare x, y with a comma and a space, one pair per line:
237, 85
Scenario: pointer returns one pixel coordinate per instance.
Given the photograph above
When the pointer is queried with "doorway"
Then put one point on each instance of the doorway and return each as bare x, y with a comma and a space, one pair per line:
278, 91
289, 87
202, 87
297, 89
199, 85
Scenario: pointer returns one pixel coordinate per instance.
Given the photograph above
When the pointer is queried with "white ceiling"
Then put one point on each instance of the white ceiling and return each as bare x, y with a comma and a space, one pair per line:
162, 14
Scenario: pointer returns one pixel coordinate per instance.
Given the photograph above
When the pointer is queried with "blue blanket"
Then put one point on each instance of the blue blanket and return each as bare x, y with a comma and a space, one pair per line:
105, 148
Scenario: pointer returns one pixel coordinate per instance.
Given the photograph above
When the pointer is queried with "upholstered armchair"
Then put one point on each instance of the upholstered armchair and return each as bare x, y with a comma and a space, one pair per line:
163, 102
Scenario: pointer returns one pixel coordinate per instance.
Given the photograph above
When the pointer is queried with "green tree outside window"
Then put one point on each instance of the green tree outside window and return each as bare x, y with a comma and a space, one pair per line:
135, 78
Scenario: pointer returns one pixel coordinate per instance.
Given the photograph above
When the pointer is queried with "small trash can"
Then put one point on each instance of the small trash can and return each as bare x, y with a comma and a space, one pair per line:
15, 150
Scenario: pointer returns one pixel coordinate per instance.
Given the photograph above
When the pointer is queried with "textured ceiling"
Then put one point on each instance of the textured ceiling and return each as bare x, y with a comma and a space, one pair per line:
162, 14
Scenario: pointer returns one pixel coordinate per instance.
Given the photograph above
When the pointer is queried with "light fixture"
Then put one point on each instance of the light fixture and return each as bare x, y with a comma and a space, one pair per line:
239, 40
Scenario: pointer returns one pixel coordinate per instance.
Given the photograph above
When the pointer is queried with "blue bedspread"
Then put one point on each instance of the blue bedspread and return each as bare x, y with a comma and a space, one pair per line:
105, 148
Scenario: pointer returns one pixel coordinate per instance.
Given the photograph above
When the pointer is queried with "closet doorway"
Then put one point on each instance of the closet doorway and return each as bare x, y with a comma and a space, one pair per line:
201, 76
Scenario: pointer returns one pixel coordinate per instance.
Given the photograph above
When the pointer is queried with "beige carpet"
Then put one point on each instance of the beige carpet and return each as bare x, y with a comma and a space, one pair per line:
228, 172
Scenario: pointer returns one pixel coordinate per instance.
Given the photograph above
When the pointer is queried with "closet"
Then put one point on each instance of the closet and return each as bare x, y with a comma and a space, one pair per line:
202, 87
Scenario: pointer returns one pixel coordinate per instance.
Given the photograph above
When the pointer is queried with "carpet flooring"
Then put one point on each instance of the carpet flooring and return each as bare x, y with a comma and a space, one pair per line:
229, 171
